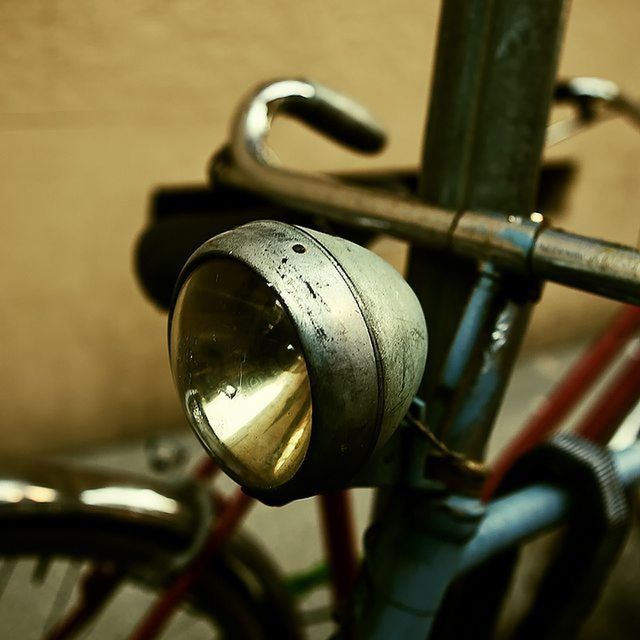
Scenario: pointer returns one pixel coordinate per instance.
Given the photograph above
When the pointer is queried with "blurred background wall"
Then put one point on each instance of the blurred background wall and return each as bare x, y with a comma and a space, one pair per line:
102, 101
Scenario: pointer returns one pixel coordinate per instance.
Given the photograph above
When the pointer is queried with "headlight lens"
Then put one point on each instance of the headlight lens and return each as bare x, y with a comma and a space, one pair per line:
240, 372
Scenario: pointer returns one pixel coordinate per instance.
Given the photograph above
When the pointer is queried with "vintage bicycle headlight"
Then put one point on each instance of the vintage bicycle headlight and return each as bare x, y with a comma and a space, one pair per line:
295, 355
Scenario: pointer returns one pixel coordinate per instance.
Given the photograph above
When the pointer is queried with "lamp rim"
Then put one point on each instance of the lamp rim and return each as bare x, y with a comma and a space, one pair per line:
341, 355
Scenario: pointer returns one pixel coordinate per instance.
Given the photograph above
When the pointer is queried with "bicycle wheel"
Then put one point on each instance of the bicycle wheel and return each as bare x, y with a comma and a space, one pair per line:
55, 539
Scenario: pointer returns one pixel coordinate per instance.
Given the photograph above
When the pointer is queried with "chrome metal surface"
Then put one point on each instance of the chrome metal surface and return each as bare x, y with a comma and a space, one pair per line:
509, 241
395, 321
358, 331
240, 372
596, 100
254, 164
38, 488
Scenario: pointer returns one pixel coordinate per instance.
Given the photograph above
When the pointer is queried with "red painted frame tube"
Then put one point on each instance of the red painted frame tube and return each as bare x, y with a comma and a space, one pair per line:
568, 393
340, 543
616, 402
96, 588
206, 469
164, 607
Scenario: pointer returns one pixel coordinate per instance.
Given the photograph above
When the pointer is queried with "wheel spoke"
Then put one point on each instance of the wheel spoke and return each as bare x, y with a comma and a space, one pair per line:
63, 595
41, 569
96, 588
6, 571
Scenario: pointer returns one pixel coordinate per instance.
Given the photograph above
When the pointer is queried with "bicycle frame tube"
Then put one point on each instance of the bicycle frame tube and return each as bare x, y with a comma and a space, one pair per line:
339, 543
618, 399
446, 543
494, 75
566, 395
521, 515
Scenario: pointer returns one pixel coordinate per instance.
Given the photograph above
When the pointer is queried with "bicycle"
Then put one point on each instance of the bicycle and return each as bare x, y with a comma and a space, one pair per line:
430, 471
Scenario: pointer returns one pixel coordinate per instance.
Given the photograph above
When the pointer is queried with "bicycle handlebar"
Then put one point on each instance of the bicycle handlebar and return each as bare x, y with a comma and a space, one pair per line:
525, 245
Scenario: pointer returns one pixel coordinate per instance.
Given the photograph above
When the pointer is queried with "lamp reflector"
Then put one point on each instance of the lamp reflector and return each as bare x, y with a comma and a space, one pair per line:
241, 373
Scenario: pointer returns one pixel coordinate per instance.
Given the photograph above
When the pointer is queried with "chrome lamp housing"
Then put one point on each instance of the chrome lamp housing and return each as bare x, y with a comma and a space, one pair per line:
295, 355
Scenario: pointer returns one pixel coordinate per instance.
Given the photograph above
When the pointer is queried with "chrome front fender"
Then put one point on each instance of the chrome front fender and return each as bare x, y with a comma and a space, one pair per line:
43, 489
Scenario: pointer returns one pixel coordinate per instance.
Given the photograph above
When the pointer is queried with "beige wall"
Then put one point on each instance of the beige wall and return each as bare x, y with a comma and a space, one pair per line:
100, 101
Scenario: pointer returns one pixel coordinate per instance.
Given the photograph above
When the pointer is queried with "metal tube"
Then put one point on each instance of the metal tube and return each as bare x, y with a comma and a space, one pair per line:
351, 205
618, 399
469, 331
493, 83
493, 80
340, 544
500, 231
564, 397
512, 243
423, 546
471, 420
524, 514
596, 266
478, 364
492, 86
